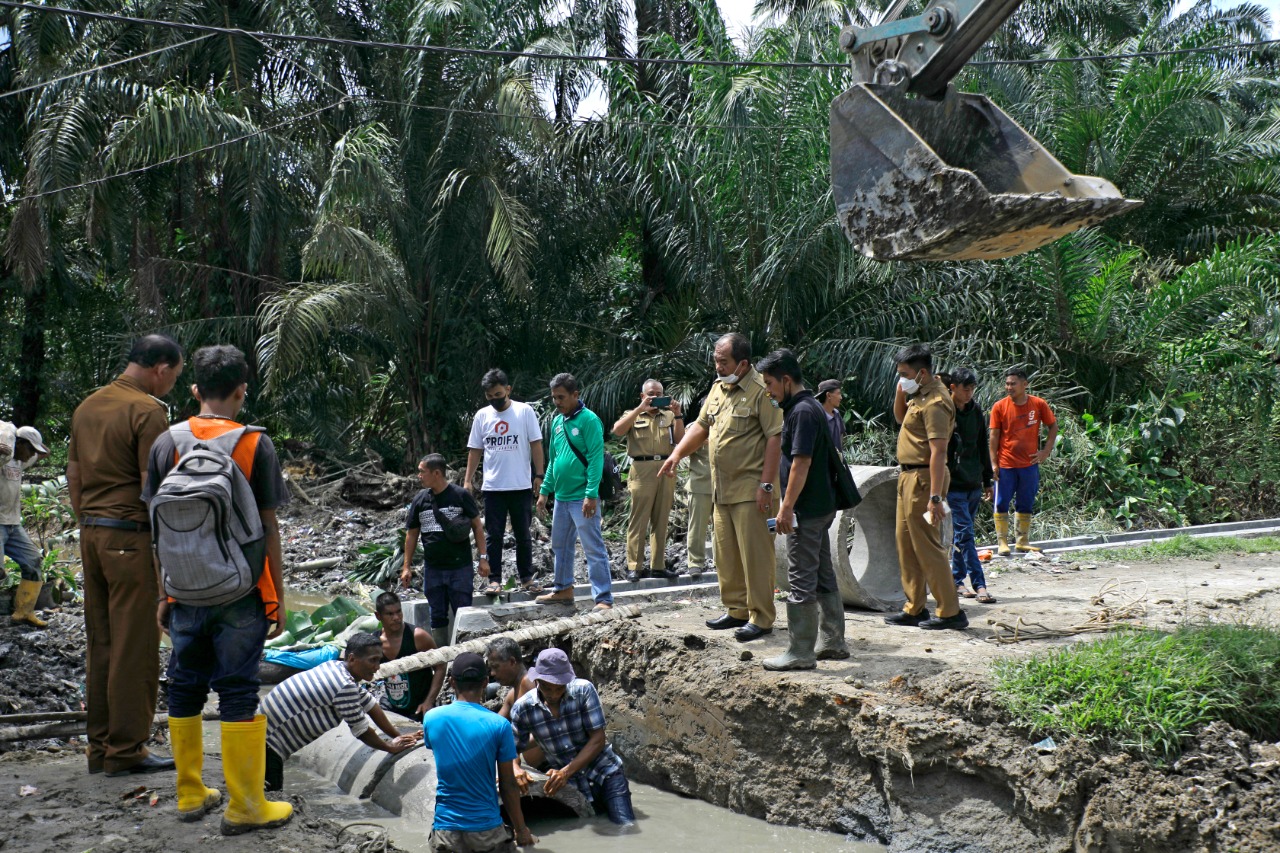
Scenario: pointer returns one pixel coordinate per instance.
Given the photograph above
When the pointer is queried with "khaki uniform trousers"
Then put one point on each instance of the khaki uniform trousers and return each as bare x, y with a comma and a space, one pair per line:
122, 670
700, 504
651, 499
922, 560
745, 562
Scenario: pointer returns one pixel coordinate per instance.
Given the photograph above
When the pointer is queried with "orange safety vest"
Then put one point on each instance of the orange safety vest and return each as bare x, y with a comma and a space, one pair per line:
209, 428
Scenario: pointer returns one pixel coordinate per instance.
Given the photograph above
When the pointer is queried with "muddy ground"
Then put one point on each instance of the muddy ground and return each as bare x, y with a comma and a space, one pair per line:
903, 743
52, 804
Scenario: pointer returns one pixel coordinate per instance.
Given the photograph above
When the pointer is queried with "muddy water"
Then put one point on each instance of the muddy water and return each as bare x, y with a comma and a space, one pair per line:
666, 822
307, 601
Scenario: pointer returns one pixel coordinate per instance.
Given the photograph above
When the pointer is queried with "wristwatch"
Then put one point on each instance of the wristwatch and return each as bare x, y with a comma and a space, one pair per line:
935, 499
768, 487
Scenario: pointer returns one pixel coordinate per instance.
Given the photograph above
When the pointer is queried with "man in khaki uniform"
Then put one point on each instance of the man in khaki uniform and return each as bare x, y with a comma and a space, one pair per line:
744, 432
111, 436
700, 504
651, 433
922, 404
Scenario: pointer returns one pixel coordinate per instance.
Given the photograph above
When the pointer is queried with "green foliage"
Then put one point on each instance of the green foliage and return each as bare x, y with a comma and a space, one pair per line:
1183, 546
1129, 464
379, 563
322, 625
1148, 691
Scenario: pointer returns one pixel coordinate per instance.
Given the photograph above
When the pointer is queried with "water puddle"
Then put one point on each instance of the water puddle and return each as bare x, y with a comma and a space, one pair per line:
666, 822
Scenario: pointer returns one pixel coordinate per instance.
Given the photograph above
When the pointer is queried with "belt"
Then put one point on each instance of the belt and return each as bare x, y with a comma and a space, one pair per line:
913, 467
115, 524
649, 458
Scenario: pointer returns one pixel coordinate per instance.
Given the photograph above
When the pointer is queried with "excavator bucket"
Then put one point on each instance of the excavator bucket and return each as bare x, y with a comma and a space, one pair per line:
951, 178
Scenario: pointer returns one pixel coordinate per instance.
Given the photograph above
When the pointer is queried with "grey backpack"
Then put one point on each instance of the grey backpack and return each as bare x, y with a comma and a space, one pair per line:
205, 527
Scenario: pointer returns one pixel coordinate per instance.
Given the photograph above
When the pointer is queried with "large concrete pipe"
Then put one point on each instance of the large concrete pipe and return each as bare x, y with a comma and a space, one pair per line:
863, 545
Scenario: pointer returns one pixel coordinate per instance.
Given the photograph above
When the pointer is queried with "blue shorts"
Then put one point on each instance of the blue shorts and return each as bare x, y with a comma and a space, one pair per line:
1018, 486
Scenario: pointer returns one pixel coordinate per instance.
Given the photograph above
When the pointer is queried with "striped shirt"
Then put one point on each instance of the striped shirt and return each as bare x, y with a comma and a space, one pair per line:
563, 737
306, 705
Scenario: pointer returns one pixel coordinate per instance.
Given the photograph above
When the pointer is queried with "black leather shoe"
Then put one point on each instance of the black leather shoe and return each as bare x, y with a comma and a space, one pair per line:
671, 574
938, 623
633, 577
905, 618
750, 632
150, 764
724, 622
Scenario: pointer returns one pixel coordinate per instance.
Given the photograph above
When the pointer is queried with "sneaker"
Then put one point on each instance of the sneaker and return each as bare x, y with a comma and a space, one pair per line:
905, 618
958, 622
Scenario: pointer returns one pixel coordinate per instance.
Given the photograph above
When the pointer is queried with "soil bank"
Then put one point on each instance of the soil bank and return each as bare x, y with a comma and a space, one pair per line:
903, 744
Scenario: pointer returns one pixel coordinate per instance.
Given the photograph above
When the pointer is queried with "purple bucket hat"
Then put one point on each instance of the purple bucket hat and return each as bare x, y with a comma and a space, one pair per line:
552, 666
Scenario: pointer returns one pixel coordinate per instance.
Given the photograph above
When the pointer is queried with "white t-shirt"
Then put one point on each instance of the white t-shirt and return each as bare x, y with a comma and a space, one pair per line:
505, 438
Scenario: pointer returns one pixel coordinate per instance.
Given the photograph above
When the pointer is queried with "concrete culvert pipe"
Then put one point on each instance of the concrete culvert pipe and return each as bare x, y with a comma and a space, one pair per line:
863, 544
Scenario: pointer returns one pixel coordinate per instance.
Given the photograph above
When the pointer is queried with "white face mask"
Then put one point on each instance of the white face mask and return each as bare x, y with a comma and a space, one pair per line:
909, 386
731, 379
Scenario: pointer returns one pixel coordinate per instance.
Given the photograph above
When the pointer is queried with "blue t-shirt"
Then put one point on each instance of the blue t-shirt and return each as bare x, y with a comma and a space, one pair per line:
468, 740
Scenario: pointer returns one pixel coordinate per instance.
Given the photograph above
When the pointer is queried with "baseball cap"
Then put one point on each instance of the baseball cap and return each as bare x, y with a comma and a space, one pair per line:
469, 668
32, 435
552, 666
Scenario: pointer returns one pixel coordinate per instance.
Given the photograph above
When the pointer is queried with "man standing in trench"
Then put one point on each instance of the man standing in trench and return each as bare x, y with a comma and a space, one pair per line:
651, 433
928, 416
111, 436
743, 429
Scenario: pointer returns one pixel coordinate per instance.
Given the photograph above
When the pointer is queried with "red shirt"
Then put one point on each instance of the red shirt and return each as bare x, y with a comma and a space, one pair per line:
1020, 430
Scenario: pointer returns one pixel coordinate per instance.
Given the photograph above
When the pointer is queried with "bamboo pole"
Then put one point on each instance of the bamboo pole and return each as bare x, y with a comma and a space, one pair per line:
423, 660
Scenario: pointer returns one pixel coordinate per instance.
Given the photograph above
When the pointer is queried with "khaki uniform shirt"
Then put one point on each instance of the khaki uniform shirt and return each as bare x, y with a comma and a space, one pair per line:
930, 415
651, 435
739, 419
111, 436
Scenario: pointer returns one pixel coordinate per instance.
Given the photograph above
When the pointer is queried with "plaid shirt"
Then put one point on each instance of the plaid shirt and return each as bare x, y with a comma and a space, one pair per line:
563, 737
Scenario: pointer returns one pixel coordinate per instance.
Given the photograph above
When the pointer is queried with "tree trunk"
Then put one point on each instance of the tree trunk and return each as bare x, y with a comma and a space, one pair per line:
26, 403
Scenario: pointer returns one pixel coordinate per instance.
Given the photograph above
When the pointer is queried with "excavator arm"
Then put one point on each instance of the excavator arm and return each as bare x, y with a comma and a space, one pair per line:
922, 172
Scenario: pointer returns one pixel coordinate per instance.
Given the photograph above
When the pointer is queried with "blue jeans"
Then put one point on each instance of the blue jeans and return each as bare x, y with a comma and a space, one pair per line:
216, 647
568, 524
1018, 486
17, 546
964, 553
447, 591
614, 794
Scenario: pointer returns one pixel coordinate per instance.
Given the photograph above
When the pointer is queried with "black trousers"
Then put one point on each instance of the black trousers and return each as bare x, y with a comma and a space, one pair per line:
498, 506
274, 780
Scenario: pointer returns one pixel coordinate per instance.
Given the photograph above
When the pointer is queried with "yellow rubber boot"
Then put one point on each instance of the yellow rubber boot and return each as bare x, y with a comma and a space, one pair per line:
1002, 534
24, 604
244, 765
1024, 534
186, 737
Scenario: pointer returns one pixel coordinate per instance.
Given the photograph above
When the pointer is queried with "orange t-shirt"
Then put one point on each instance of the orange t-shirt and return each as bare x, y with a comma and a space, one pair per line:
205, 429
1020, 430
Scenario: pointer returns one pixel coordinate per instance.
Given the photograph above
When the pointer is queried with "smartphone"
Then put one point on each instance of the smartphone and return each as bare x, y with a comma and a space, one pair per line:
773, 524
660, 402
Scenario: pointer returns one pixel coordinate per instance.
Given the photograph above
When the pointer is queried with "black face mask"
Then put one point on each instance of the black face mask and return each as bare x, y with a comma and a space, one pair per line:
500, 403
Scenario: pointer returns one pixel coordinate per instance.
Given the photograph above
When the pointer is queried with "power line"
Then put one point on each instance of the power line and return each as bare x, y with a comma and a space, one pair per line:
96, 68
177, 157
573, 57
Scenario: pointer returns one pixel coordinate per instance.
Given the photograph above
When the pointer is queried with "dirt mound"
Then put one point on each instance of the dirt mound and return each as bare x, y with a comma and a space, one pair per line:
927, 765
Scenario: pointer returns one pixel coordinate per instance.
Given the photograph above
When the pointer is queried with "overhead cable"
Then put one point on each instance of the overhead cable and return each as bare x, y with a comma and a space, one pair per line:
586, 58
175, 158
46, 83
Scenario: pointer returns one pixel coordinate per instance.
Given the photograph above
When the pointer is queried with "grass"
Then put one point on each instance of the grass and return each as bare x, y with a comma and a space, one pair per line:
1149, 692
1183, 546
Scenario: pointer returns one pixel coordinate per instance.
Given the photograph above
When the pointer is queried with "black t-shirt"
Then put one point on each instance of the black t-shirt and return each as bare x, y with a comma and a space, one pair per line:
437, 551
805, 432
